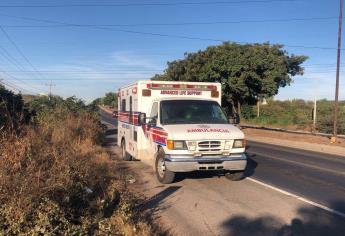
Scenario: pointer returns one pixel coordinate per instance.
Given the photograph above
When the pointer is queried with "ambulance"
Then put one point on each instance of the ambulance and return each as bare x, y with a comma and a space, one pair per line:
179, 127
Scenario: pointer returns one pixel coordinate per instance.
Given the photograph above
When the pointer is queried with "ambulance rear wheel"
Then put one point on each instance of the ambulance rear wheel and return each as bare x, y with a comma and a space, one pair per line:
163, 174
124, 153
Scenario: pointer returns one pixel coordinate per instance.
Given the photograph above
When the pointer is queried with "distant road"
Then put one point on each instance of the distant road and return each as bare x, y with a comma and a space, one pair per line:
107, 118
286, 190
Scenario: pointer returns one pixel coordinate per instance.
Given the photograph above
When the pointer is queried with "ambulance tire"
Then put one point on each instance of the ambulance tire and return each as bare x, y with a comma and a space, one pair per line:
234, 176
163, 175
124, 153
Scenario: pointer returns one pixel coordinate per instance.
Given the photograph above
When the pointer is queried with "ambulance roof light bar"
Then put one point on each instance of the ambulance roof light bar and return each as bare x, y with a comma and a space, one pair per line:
181, 86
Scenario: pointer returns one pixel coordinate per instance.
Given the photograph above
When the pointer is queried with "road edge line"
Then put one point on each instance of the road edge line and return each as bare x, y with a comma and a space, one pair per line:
330, 210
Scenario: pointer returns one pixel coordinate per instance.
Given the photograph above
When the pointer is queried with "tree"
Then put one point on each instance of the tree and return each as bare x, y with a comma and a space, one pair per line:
110, 99
247, 72
13, 113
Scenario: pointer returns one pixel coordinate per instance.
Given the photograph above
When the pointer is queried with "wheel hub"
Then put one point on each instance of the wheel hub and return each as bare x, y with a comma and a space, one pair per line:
161, 167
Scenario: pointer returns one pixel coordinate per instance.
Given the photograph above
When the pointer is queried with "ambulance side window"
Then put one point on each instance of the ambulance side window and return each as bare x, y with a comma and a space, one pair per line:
123, 105
154, 111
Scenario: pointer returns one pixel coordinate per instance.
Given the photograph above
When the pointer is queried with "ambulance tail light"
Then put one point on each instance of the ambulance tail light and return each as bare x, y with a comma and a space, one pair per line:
146, 92
214, 93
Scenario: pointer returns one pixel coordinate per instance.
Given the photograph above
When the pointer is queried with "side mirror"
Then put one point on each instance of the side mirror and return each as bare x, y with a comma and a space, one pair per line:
153, 122
234, 119
142, 119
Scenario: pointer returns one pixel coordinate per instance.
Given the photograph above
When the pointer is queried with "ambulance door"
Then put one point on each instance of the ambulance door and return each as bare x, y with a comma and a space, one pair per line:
153, 119
131, 142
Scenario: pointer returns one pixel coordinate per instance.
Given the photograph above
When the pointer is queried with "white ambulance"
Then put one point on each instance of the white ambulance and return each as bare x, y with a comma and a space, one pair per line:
179, 127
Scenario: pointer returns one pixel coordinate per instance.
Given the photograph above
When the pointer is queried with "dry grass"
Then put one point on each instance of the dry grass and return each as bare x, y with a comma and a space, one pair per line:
55, 179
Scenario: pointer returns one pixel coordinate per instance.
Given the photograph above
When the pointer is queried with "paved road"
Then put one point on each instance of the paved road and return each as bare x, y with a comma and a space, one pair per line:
316, 176
208, 205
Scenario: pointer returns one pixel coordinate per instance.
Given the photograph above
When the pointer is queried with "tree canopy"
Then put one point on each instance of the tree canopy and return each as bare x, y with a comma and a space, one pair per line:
110, 99
247, 72
12, 110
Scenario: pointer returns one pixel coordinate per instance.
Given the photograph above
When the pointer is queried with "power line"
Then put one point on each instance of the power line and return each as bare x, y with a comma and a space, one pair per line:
21, 81
176, 23
146, 4
16, 87
100, 72
18, 49
328, 66
13, 61
8, 85
158, 34
10, 58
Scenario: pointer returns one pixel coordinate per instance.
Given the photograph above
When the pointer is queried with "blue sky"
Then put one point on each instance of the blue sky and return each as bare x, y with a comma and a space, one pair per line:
89, 61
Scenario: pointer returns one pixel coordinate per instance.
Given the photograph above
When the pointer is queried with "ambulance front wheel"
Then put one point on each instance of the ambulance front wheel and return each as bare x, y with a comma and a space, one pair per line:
163, 174
124, 153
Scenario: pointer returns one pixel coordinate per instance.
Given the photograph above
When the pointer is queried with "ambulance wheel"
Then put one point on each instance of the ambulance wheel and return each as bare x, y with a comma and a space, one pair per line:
234, 176
124, 153
163, 175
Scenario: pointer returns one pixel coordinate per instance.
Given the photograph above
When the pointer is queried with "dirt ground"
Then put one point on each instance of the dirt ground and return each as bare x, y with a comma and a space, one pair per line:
255, 133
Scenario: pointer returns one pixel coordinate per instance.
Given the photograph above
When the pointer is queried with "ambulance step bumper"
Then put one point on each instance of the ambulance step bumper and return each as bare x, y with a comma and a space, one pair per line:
189, 163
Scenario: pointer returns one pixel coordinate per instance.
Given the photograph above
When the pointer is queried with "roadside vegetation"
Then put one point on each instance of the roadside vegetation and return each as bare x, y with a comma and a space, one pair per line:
55, 177
109, 100
295, 114
248, 72
252, 72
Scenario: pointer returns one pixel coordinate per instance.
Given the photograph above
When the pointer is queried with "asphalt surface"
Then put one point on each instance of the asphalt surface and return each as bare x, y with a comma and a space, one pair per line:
204, 203
316, 176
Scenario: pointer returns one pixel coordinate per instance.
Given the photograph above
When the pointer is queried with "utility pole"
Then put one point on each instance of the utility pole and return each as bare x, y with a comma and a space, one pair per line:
314, 115
50, 88
258, 107
336, 100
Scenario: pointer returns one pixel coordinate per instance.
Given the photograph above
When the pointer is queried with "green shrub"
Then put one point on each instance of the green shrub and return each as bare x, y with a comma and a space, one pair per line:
296, 114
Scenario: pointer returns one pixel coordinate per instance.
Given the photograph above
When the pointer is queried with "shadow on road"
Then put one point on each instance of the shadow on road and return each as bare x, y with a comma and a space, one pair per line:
109, 141
154, 202
309, 221
111, 132
251, 166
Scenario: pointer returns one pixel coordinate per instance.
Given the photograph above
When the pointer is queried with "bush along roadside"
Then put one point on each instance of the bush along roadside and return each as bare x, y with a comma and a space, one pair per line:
295, 115
56, 179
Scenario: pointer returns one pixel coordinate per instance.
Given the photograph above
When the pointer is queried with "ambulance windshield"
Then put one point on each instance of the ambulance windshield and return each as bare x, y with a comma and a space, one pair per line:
191, 112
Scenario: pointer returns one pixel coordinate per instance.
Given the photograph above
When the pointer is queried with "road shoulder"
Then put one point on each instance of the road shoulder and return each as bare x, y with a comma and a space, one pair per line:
304, 142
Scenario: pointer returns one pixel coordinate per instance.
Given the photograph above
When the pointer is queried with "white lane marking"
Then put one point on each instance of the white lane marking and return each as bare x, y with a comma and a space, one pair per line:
300, 163
341, 214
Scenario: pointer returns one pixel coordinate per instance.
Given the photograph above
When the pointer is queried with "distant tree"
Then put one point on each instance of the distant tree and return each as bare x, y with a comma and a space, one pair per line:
110, 99
13, 113
45, 102
247, 72
74, 104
